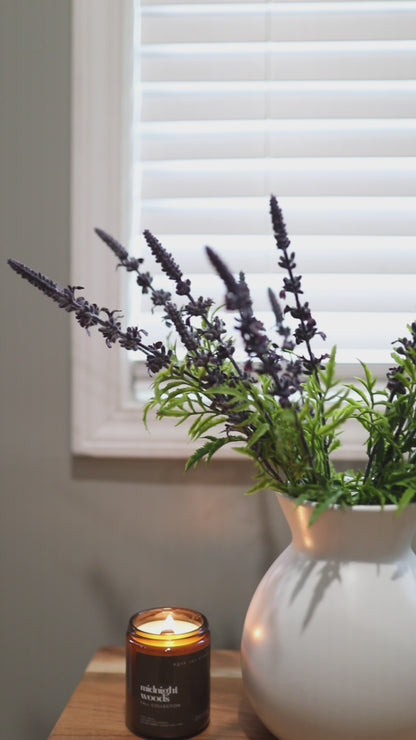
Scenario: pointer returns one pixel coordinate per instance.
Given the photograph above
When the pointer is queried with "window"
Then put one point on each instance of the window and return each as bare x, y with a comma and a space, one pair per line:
314, 101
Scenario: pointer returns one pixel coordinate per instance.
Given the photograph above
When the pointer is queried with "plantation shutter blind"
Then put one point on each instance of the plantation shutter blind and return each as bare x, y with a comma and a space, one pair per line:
311, 101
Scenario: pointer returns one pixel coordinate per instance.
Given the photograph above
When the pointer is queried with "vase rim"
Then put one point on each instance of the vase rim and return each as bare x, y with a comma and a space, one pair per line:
353, 507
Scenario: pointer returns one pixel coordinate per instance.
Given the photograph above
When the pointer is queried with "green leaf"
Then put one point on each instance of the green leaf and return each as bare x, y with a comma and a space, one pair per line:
406, 498
324, 505
260, 432
207, 450
203, 424
260, 486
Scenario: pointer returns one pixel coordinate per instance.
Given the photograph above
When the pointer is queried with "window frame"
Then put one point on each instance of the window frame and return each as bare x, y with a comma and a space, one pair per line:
105, 421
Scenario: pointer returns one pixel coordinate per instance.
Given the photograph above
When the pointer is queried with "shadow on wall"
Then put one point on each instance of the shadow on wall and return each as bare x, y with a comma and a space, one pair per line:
171, 537
206, 483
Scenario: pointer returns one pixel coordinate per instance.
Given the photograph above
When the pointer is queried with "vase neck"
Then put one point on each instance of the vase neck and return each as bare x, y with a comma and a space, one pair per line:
367, 533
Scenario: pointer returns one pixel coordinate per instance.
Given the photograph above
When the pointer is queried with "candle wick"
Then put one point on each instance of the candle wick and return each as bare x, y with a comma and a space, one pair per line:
167, 632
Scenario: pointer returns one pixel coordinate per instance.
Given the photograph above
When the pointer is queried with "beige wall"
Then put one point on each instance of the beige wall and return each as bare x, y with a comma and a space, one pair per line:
85, 543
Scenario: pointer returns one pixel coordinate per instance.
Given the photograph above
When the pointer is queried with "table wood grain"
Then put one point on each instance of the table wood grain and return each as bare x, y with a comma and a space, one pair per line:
96, 709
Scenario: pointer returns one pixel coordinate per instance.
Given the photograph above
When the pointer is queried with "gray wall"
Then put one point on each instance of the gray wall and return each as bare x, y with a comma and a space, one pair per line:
85, 543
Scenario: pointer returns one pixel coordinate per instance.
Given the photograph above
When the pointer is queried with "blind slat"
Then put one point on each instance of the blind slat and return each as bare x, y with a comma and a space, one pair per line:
328, 253
301, 176
281, 61
327, 215
278, 21
288, 138
373, 344
329, 292
255, 100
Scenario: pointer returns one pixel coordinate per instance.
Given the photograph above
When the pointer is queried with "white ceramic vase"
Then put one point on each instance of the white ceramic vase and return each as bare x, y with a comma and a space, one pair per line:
329, 641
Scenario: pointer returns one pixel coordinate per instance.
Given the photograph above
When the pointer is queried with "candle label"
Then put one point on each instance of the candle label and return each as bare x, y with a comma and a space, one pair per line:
171, 694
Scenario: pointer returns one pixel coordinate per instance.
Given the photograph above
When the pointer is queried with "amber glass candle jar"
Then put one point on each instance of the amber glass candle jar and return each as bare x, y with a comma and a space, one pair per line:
167, 673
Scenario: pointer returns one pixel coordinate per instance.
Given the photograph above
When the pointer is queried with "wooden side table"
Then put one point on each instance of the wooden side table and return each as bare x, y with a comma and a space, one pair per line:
96, 709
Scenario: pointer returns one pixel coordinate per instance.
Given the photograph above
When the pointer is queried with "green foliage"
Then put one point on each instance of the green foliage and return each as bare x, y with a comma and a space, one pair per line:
284, 407
291, 447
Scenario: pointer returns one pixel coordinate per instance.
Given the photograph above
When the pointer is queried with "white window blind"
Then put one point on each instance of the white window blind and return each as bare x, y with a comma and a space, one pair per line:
311, 101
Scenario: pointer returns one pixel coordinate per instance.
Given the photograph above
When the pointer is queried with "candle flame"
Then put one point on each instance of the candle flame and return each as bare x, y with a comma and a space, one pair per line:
168, 624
